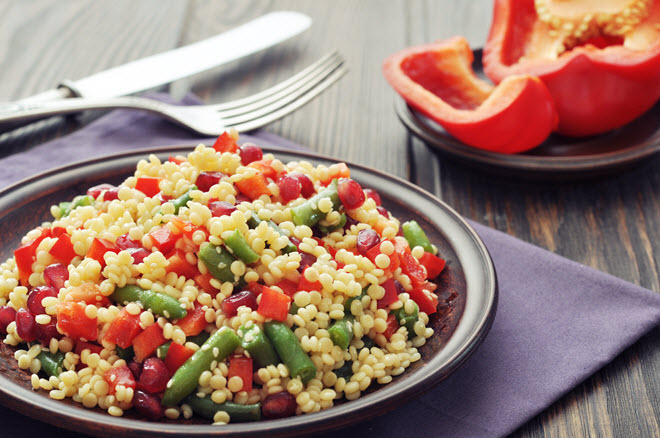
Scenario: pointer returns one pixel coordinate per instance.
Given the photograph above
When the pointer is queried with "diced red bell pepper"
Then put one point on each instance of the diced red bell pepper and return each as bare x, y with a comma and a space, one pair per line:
177, 355
123, 329
25, 256
204, 282
148, 185
304, 284
62, 250
266, 168
120, 375
254, 287
164, 239
391, 296
83, 345
274, 304
253, 186
146, 342
73, 322
99, 247
600, 62
226, 143
392, 326
241, 366
409, 264
194, 322
434, 265
177, 262
425, 302
57, 231
394, 257
437, 79
288, 287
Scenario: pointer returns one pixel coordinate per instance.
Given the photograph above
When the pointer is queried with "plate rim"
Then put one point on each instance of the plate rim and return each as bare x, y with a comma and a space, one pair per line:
326, 420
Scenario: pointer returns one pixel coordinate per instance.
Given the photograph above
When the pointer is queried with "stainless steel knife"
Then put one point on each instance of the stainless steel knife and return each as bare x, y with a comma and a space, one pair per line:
163, 68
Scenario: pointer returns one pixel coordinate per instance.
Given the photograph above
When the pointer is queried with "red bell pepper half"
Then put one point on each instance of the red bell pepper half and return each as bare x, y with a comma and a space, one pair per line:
600, 77
437, 79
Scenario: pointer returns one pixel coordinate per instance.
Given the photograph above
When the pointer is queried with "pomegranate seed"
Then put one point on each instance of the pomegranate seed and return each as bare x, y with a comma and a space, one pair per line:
383, 211
367, 239
350, 222
371, 193
46, 332
290, 188
206, 180
242, 198
231, 304
125, 242
399, 287
250, 152
111, 194
7, 316
36, 296
138, 254
55, 275
279, 405
295, 241
25, 325
306, 260
222, 208
306, 184
136, 369
96, 191
147, 405
350, 193
154, 376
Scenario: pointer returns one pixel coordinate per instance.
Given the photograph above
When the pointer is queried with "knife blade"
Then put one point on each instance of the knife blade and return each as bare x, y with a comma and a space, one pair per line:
163, 68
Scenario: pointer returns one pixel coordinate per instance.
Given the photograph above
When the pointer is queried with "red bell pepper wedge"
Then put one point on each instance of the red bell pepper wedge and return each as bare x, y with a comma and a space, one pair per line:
409, 264
62, 249
226, 142
274, 304
25, 256
176, 262
253, 186
177, 355
306, 285
164, 239
598, 84
241, 366
424, 300
146, 342
148, 185
437, 79
120, 375
194, 322
392, 326
73, 322
123, 329
99, 247
434, 265
391, 296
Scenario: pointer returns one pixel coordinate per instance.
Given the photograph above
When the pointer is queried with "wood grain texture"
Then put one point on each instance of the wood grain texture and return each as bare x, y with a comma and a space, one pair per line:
611, 224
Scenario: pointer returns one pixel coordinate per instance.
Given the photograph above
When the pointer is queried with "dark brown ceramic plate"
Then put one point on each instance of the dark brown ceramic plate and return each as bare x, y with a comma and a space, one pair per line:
558, 158
467, 287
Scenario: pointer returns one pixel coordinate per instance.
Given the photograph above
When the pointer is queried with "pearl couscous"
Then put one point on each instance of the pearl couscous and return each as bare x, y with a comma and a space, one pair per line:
224, 284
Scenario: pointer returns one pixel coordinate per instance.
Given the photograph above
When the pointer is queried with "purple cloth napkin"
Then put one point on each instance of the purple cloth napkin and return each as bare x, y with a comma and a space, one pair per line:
557, 321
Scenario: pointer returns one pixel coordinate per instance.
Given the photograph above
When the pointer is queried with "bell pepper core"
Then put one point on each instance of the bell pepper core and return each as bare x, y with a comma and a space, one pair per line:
601, 63
437, 79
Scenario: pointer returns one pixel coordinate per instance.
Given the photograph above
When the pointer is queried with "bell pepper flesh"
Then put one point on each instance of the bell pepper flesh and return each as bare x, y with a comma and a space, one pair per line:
598, 85
437, 79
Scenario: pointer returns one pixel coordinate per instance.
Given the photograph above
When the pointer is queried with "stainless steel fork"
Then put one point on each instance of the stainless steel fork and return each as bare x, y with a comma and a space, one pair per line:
243, 114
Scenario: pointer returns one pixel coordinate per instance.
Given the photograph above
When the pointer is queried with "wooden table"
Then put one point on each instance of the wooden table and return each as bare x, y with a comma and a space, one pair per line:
611, 224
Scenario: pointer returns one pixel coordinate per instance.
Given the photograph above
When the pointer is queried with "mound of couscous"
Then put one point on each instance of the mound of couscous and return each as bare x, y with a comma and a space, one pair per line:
225, 284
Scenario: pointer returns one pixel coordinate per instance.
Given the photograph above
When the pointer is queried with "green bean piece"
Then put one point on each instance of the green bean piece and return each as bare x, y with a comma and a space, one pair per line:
407, 320
258, 345
341, 332
345, 371
293, 308
161, 351
125, 353
160, 304
327, 229
218, 261
349, 302
416, 236
184, 381
78, 201
290, 351
199, 339
254, 222
308, 213
182, 200
207, 408
51, 363
240, 248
